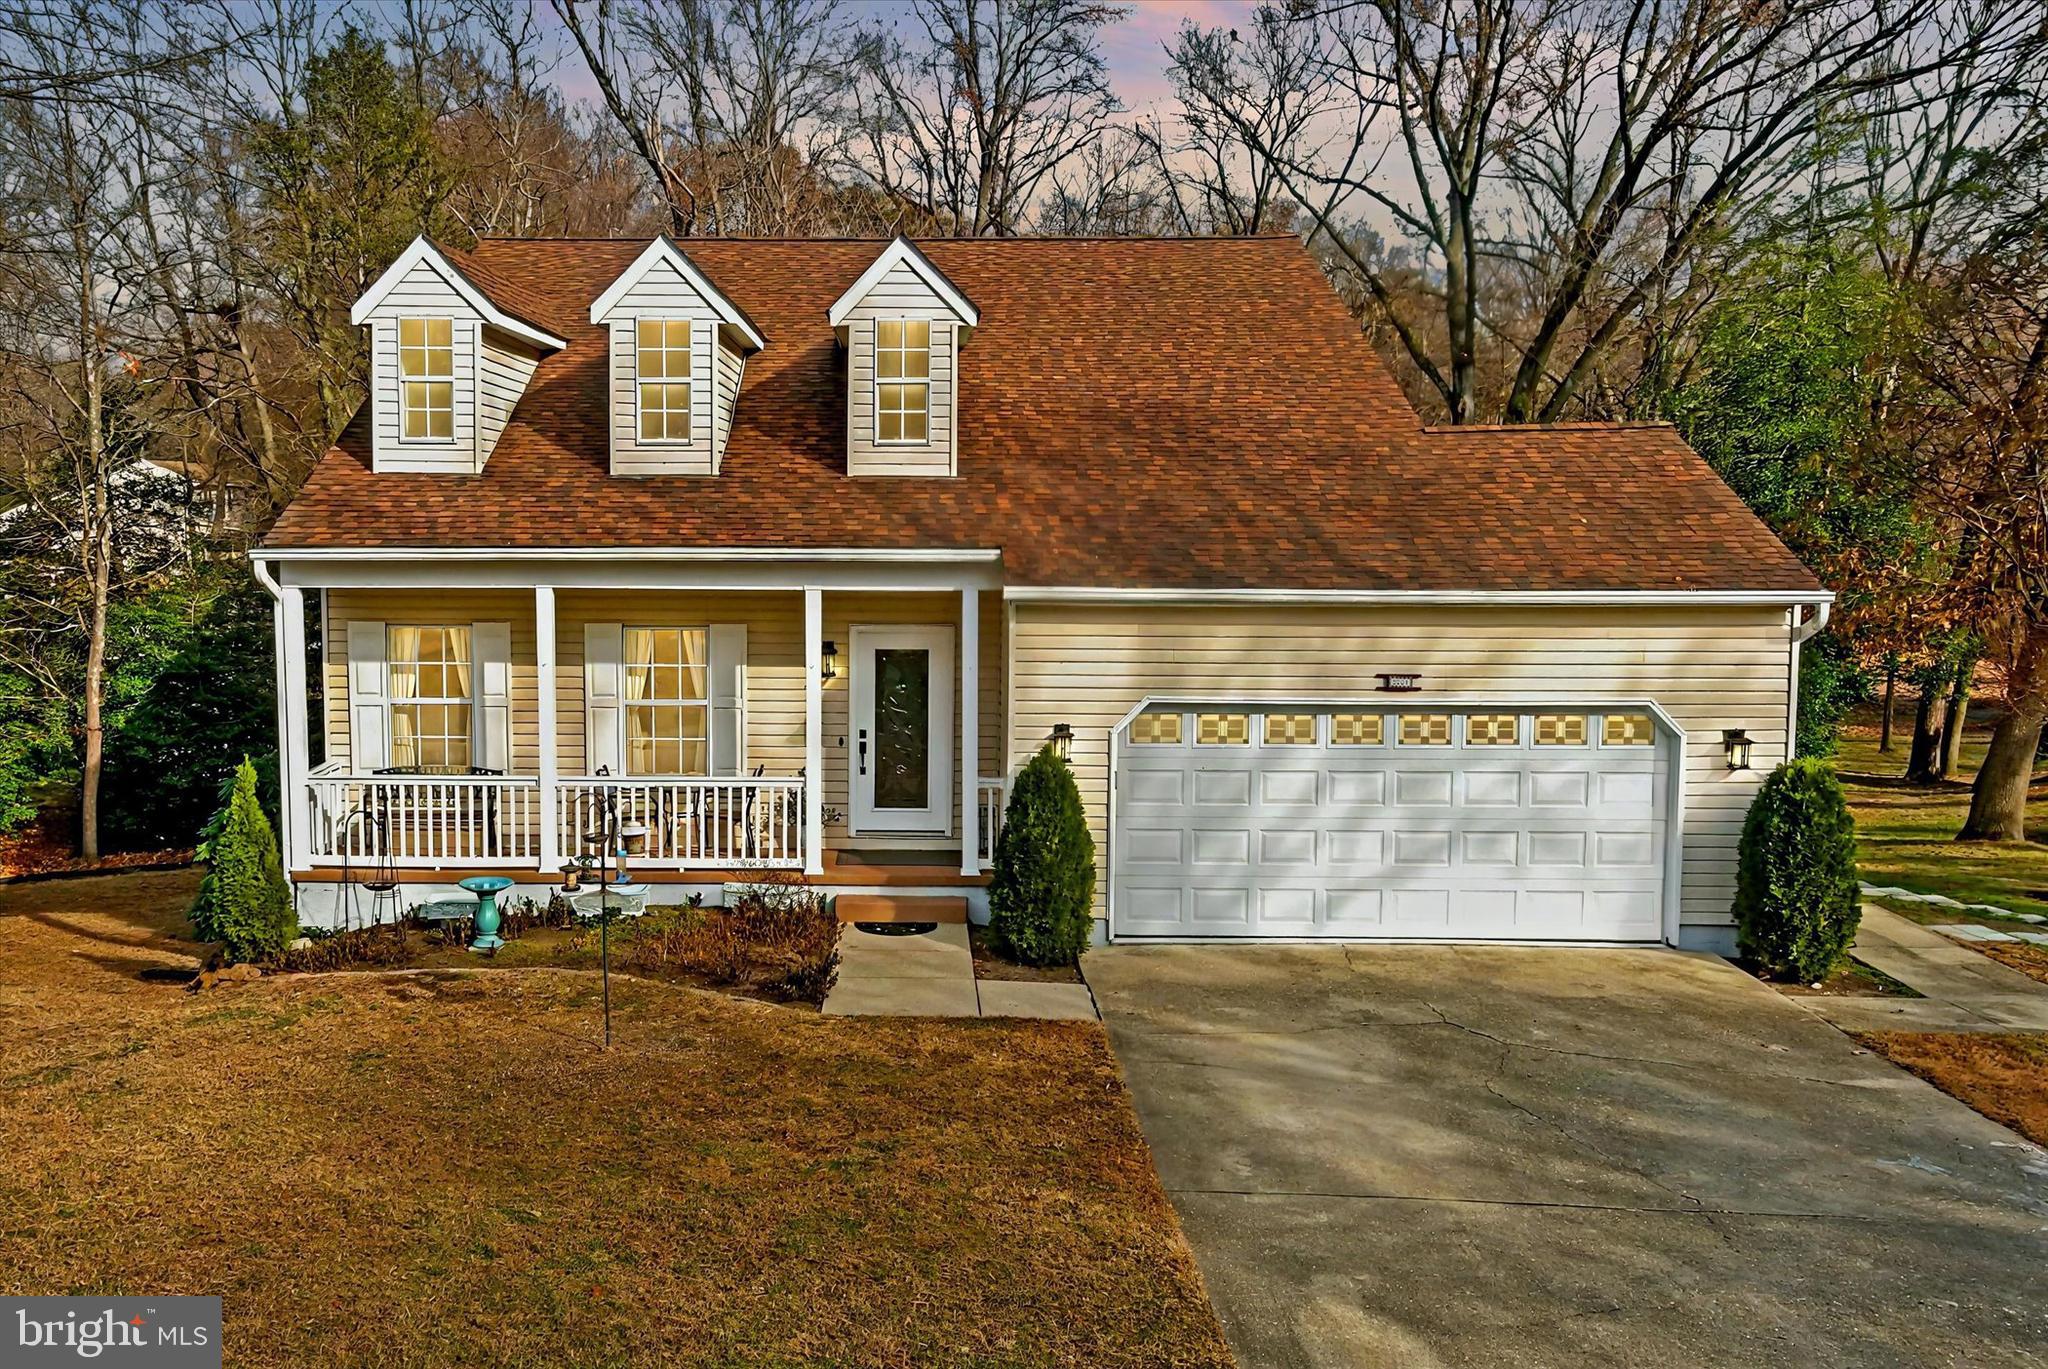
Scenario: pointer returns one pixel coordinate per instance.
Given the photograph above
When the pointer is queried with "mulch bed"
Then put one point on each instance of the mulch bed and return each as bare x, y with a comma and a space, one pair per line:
48, 846
1853, 980
2005, 1077
431, 1167
2031, 961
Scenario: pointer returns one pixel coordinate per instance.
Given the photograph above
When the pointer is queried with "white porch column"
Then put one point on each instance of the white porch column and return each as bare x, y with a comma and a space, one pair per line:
544, 661
970, 732
814, 732
293, 748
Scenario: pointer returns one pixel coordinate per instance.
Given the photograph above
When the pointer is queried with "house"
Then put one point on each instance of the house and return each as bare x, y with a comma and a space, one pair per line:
797, 550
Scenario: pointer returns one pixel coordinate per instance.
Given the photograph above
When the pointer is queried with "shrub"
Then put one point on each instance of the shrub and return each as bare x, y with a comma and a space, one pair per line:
777, 940
1042, 897
243, 902
1796, 897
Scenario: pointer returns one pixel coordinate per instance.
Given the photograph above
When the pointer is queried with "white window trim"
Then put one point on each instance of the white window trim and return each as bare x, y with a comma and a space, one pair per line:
689, 436
398, 367
875, 410
627, 705
392, 702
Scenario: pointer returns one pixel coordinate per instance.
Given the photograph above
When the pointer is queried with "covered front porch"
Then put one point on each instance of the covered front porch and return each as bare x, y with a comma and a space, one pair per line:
473, 714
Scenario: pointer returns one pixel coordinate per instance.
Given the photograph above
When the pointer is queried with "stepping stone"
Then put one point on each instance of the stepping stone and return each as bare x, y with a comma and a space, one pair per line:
1015, 998
1887, 891
2035, 938
1970, 931
1990, 910
2030, 917
1941, 901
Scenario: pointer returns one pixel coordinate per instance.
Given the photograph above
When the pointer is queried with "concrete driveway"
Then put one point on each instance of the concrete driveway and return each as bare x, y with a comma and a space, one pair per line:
1457, 1156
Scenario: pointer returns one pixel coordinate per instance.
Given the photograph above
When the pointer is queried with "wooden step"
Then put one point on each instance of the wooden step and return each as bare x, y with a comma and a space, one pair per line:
899, 908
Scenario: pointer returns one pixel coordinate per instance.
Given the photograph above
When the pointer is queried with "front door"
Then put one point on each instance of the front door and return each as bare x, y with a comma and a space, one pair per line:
901, 758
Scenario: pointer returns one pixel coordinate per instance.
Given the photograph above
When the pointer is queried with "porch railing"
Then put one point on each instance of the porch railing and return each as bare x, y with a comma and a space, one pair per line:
422, 820
990, 796
701, 824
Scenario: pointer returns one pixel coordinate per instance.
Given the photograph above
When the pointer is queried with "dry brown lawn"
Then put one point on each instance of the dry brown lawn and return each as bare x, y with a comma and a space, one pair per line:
2005, 1077
441, 1168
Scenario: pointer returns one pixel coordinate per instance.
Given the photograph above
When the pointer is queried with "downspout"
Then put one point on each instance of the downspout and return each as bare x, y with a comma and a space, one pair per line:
1801, 632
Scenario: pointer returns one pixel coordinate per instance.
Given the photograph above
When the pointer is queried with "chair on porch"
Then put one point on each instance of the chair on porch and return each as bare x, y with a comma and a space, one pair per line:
491, 844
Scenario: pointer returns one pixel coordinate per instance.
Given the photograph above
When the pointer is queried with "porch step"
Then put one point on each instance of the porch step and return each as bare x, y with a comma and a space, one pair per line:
899, 908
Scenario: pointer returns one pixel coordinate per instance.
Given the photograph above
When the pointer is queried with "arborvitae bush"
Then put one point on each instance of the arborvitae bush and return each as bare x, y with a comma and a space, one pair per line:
243, 902
1796, 895
1042, 897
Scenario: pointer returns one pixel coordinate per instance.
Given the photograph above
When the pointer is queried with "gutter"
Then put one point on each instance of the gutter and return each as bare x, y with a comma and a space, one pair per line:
900, 556
1803, 630
1534, 598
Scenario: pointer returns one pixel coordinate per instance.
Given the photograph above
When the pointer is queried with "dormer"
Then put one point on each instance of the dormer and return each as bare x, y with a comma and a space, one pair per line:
447, 364
679, 350
903, 324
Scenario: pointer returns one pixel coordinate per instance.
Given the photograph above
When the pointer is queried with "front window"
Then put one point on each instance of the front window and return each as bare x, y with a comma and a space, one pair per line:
668, 714
428, 671
903, 371
426, 379
664, 375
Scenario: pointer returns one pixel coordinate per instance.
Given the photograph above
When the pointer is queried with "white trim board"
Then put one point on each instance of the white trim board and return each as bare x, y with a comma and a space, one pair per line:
905, 555
419, 250
1771, 598
664, 249
902, 250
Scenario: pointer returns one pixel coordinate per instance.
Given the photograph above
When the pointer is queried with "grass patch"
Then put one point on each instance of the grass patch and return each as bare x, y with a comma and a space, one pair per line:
2005, 1077
733, 1183
1853, 979
1905, 834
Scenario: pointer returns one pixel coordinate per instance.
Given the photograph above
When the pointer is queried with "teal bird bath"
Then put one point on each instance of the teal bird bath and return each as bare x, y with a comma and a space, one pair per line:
487, 888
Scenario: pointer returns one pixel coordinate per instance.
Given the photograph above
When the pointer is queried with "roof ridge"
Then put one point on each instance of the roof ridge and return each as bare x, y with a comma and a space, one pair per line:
1149, 238
1605, 425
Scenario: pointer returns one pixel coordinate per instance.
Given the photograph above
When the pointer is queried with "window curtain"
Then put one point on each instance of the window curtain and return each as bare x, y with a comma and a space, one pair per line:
403, 656
457, 662
639, 662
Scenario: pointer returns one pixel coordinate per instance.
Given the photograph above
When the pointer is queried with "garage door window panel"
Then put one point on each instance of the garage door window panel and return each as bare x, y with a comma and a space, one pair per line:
1425, 729
1290, 729
1223, 729
1627, 729
1358, 729
1560, 729
1493, 729
1156, 729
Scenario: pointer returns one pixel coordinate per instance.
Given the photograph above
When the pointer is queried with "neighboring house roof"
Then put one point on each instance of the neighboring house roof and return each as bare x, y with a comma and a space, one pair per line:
1172, 413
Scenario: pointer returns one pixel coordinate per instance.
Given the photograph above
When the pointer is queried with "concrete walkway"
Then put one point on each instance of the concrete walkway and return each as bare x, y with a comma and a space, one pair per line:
932, 975
1965, 991
1439, 1156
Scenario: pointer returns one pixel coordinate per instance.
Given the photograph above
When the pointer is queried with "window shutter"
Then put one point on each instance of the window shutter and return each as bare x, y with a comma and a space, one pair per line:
490, 647
604, 651
368, 726
728, 698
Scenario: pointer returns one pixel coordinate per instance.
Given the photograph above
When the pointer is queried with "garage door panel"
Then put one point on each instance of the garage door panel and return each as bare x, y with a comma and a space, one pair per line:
1379, 840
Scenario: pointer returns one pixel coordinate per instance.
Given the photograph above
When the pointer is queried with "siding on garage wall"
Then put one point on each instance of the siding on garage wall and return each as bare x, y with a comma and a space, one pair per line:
1708, 668
435, 608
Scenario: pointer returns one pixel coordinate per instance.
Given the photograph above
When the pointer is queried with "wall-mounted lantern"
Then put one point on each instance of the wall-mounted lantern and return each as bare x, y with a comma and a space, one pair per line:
1736, 743
1063, 741
828, 661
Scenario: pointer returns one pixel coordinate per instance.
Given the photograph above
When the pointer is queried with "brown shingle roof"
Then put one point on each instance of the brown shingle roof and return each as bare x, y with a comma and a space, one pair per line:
1190, 413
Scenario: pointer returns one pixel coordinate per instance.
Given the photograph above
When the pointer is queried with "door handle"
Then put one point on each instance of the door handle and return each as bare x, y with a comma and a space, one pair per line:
863, 751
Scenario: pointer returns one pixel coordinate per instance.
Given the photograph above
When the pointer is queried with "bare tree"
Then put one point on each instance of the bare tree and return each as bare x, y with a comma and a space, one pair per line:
1577, 158
728, 103
966, 125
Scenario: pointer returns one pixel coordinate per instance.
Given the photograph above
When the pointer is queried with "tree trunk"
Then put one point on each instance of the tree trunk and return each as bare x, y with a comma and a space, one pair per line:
1952, 731
1891, 694
1923, 759
1998, 800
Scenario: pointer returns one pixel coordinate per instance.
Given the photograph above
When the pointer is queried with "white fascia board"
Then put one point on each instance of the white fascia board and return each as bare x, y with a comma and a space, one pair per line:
422, 250
903, 251
1475, 597
663, 249
893, 555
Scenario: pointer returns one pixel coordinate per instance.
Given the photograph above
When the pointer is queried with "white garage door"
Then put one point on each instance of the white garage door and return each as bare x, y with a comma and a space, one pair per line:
1386, 822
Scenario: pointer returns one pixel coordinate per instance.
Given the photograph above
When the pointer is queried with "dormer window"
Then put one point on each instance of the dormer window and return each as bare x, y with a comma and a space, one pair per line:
664, 379
426, 370
903, 372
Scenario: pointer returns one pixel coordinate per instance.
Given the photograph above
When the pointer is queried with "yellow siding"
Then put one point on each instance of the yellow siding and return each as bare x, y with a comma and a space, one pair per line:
1709, 668
774, 672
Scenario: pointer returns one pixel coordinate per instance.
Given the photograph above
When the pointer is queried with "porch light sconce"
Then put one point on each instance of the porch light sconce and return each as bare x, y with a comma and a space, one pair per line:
1393, 682
1736, 743
828, 661
1063, 741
